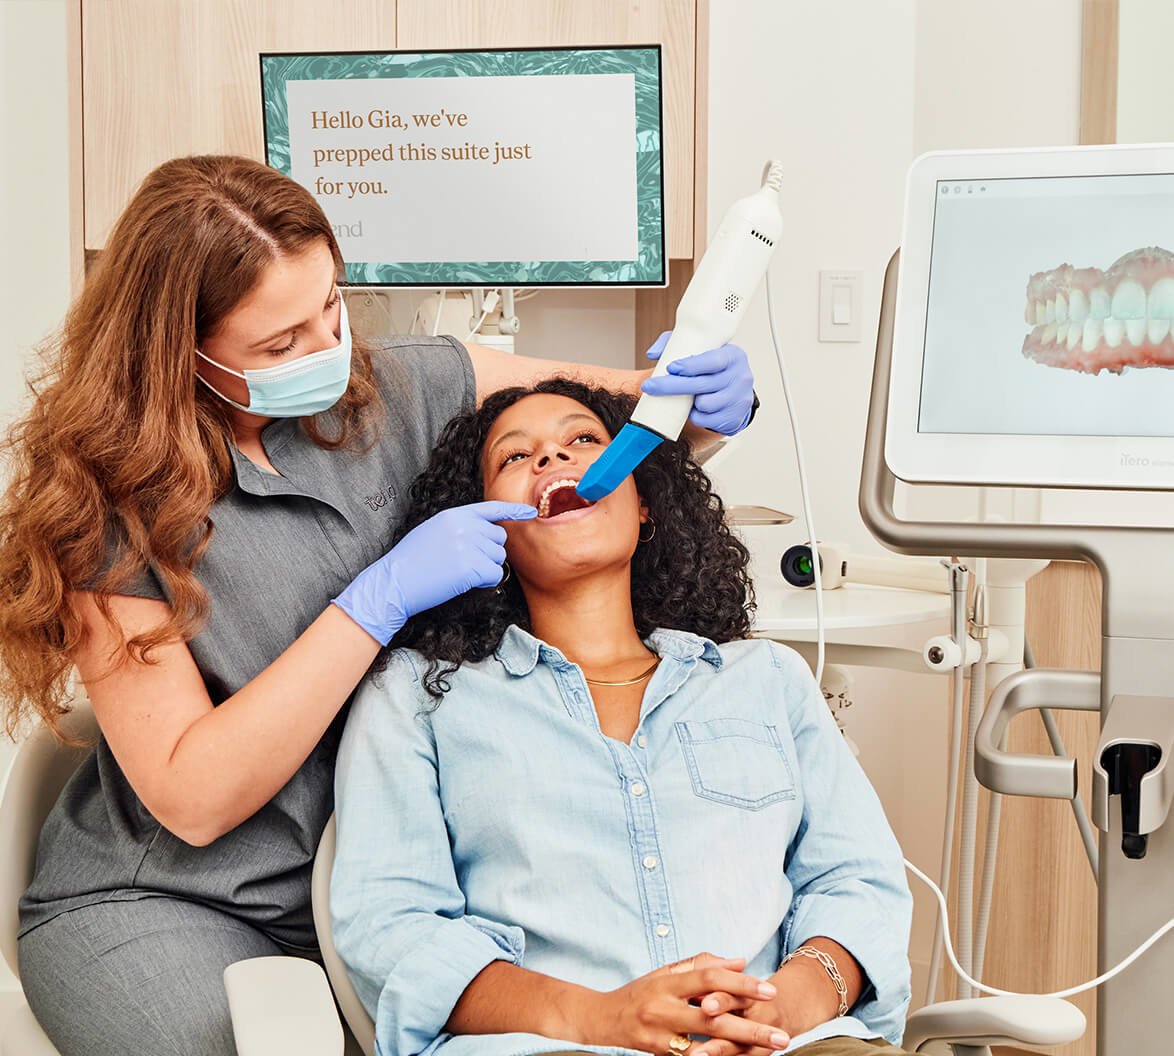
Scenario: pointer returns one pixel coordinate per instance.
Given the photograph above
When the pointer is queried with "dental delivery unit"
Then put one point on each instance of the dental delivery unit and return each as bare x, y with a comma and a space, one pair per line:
707, 316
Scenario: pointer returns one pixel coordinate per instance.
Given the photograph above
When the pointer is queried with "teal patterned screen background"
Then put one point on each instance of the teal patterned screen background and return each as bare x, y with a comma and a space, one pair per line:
646, 268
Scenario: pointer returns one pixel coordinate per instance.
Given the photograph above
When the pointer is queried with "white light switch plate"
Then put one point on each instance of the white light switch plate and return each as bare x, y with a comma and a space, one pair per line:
839, 305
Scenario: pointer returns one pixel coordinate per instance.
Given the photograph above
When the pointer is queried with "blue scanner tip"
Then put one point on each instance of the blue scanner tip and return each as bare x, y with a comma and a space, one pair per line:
630, 447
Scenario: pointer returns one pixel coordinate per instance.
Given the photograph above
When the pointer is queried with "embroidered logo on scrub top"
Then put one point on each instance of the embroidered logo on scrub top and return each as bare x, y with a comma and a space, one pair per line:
381, 498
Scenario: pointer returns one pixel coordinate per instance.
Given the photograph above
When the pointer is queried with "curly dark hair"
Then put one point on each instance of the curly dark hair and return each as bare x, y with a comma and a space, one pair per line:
692, 575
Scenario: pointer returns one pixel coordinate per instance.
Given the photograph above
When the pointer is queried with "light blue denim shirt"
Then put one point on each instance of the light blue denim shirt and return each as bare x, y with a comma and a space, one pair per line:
503, 825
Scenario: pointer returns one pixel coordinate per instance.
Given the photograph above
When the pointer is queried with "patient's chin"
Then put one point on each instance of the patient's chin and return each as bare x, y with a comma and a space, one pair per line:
550, 563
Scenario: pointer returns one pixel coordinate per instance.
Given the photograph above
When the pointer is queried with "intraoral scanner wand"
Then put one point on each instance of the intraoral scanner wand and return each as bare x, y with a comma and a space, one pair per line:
708, 316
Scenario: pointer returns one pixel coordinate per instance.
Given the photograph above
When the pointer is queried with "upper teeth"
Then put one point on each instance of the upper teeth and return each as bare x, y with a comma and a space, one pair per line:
550, 489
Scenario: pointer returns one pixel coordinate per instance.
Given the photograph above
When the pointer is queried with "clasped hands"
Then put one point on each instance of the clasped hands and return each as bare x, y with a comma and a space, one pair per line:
710, 996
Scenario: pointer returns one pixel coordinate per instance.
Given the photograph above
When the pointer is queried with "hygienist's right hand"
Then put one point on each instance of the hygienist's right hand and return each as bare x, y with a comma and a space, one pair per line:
452, 552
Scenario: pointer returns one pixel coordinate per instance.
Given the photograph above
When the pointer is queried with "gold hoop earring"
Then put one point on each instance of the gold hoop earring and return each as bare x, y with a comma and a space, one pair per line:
651, 534
505, 575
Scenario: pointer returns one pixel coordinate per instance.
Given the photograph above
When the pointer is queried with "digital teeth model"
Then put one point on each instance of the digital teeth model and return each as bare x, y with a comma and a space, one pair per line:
1089, 320
559, 496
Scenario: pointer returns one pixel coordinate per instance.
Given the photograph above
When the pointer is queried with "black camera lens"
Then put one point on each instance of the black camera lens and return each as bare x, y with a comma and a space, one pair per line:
798, 566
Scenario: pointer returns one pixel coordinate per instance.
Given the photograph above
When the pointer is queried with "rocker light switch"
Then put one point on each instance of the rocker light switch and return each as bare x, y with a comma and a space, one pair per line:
839, 305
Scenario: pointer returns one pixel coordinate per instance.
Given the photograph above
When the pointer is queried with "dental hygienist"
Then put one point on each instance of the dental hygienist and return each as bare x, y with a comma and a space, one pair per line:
202, 501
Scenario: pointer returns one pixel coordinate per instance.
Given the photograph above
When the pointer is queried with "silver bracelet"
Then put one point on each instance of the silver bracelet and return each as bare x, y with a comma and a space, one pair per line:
829, 966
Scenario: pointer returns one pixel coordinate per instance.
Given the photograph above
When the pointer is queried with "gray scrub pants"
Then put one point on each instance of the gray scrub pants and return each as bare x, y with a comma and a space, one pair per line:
139, 977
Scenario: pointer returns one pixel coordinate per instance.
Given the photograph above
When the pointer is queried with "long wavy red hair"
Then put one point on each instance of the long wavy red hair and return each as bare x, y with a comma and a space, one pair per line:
121, 447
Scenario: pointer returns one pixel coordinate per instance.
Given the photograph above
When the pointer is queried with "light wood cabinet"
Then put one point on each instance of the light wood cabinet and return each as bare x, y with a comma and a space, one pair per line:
163, 78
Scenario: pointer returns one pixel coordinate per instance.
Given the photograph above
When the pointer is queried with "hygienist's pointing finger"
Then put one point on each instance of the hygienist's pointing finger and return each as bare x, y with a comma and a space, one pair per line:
504, 511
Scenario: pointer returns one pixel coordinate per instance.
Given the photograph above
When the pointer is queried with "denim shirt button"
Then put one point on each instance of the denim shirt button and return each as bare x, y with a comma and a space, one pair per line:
638, 789
642, 741
663, 930
650, 862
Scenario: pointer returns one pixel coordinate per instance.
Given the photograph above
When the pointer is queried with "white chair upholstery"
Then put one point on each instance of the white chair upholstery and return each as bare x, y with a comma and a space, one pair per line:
361, 1025
282, 1005
261, 986
20, 1033
977, 1023
40, 770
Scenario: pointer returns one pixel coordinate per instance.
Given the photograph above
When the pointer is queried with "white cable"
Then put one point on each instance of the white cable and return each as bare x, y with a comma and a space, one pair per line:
811, 533
491, 299
954, 780
968, 841
994, 815
439, 309
1071, 991
958, 687
990, 860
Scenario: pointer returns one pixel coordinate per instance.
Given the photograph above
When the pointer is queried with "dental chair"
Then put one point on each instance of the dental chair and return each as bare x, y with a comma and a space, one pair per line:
40, 770
285, 1006
307, 1022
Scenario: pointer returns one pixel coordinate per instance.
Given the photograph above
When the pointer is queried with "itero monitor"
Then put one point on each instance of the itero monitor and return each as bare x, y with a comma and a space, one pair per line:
521, 167
1032, 339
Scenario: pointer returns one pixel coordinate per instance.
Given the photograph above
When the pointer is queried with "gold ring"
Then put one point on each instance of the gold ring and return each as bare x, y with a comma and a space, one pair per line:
678, 1045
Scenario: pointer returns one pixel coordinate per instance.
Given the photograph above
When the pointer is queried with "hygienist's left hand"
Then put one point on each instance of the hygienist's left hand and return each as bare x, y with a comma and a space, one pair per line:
720, 382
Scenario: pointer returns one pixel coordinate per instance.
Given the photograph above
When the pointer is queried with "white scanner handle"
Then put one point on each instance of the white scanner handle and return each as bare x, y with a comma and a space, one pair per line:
717, 296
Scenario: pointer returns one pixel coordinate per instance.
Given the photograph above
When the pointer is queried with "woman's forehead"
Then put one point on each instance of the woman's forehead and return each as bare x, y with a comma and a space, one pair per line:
540, 410
285, 295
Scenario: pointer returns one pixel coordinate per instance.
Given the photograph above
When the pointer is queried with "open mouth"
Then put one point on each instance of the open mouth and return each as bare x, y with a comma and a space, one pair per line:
559, 497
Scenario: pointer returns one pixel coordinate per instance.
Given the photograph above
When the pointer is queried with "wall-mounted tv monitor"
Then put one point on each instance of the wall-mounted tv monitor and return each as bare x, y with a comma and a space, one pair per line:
522, 167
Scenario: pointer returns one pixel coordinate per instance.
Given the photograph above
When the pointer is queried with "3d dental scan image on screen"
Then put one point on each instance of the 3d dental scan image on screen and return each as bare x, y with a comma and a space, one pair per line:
582, 528
1064, 273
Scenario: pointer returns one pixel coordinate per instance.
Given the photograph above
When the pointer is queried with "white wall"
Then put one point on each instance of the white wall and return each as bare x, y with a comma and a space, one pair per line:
34, 218
1145, 91
846, 94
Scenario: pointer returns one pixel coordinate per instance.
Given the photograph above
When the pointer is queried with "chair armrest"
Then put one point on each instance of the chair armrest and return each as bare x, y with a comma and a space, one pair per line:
282, 1006
995, 1021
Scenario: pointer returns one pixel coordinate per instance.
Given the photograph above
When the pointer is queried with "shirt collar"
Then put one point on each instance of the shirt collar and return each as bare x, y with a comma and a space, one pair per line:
519, 651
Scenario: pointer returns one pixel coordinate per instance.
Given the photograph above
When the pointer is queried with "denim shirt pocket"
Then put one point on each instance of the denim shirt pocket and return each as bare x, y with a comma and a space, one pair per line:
736, 762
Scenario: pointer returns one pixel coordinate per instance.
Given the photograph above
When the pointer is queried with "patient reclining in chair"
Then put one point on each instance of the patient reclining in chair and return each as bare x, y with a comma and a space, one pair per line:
583, 810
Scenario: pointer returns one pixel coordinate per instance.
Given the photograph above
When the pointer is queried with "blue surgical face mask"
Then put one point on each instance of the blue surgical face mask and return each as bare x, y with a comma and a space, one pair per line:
300, 388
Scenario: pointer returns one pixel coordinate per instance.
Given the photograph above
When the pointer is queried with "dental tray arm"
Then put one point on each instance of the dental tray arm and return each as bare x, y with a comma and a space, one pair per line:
1031, 775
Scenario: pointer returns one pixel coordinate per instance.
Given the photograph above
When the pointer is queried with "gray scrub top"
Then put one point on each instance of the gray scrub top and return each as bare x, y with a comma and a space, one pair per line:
281, 548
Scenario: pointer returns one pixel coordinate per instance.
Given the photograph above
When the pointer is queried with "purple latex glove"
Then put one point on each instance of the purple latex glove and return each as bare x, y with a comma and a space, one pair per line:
452, 552
720, 382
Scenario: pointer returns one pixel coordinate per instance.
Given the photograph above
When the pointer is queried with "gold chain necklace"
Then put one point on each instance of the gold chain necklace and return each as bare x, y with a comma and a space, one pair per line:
627, 682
